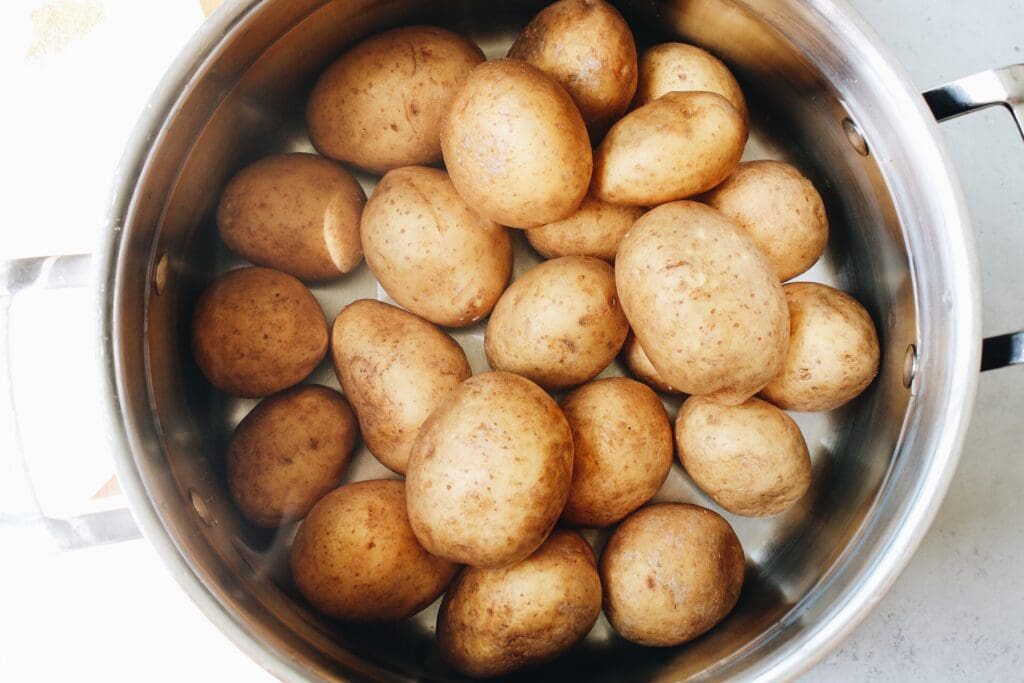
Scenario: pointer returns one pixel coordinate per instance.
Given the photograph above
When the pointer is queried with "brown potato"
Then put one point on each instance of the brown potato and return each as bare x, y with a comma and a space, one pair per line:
355, 557
380, 105
780, 209
751, 458
433, 254
833, 350
256, 331
298, 213
678, 67
494, 621
640, 366
703, 302
588, 48
490, 471
670, 573
395, 368
559, 324
515, 145
677, 146
290, 451
622, 450
595, 230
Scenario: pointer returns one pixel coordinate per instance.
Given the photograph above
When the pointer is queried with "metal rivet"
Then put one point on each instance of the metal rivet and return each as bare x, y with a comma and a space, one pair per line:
855, 137
199, 505
160, 274
910, 366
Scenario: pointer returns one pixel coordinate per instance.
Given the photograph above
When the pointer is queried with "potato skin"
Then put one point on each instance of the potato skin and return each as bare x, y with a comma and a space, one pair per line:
256, 331
355, 557
559, 324
588, 48
833, 350
494, 621
780, 209
703, 301
670, 573
622, 450
515, 145
433, 254
677, 146
594, 230
380, 105
288, 452
678, 67
635, 358
751, 458
490, 471
395, 368
298, 213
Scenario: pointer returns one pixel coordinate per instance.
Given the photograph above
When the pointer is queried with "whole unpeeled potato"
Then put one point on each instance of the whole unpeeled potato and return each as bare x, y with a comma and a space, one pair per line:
494, 621
833, 350
677, 146
559, 324
588, 48
489, 472
515, 145
380, 105
298, 213
395, 368
678, 67
640, 366
433, 254
594, 230
751, 458
292, 449
355, 557
703, 301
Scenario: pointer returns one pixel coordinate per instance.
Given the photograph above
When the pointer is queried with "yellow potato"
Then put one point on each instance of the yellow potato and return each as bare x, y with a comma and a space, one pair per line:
703, 301
433, 254
256, 331
494, 621
395, 369
780, 209
678, 67
515, 145
380, 105
298, 213
670, 573
594, 230
290, 451
490, 471
751, 458
677, 146
588, 48
622, 450
559, 324
640, 366
833, 350
355, 557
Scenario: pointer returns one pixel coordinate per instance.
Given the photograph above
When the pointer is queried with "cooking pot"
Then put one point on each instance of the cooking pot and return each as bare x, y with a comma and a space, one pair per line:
823, 93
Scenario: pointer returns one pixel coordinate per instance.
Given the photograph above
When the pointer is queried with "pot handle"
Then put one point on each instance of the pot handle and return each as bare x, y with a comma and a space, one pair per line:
89, 526
1003, 87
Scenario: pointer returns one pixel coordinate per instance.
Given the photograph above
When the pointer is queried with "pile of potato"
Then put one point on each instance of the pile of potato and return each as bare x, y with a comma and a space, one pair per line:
662, 247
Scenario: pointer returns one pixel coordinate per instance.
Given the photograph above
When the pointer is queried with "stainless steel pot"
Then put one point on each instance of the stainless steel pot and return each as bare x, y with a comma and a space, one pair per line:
824, 94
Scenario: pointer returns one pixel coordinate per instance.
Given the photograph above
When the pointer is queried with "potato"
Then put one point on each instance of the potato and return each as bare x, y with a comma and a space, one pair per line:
588, 48
298, 213
380, 105
640, 366
433, 254
494, 621
677, 67
355, 557
515, 145
780, 209
679, 145
670, 573
290, 451
256, 331
594, 230
703, 301
395, 368
751, 458
833, 350
622, 450
489, 471
559, 324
